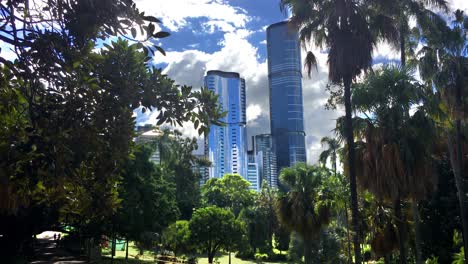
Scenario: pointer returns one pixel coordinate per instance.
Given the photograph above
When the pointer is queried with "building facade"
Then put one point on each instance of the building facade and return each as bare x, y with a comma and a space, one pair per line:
149, 137
253, 176
286, 103
266, 159
226, 146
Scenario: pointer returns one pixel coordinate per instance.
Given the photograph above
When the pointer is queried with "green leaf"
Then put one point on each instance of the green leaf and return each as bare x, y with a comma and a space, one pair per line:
151, 19
161, 34
151, 29
160, 50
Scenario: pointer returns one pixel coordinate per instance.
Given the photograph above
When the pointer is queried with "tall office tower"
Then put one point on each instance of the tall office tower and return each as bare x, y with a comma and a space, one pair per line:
266, 159
286, 106
253, 176
227, 145
148, 137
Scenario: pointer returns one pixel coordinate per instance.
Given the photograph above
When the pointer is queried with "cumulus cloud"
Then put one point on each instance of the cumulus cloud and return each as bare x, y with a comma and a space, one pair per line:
174, 13
253, 112
237, 53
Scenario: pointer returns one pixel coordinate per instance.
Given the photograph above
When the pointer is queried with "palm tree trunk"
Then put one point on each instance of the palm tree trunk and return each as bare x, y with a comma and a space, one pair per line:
386, 259
350, 259
352, 168
126, 250
417, 231
308, 245
455, 153
402, 47
400, 221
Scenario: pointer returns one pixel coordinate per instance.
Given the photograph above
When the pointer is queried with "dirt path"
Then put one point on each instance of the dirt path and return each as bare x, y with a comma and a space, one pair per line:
47, 252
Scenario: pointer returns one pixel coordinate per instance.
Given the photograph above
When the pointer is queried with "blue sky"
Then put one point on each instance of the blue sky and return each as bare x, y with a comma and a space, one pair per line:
230, 35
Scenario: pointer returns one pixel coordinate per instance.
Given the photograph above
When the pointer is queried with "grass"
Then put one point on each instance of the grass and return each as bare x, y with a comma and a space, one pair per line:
148, 257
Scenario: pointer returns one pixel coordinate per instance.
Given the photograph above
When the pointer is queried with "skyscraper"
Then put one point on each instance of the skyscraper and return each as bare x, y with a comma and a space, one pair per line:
286, 104
227, 145
266, 158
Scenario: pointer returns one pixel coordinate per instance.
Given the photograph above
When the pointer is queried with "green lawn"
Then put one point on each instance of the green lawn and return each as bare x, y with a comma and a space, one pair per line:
148, 257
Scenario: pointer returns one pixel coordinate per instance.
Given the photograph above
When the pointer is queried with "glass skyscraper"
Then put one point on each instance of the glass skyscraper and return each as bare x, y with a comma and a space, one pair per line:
226, 146
286, 103
263, 148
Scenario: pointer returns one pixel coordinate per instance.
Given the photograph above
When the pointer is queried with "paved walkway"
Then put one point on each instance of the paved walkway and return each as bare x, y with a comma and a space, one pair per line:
47, 252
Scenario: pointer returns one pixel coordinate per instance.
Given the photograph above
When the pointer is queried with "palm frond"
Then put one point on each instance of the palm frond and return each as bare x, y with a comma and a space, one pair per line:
310, 62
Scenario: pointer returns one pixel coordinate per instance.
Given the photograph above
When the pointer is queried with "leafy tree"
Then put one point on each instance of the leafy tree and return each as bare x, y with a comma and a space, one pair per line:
148, 200
305, 208
443, 64
213, 229
394, 156
176, 237
231, 191
69, 121
333, 145
346, 29
282, 238
177, 153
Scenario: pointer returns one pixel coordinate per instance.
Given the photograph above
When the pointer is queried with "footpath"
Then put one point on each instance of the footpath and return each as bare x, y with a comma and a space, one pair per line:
47, 252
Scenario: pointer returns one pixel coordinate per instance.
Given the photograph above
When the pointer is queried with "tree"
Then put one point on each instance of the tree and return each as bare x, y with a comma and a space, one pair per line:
305, 208
176, 237
176, 153
333, 145
148, 200
395, 158
343, 27
213, 228
71, 126
443, 65
282, 238
231, 191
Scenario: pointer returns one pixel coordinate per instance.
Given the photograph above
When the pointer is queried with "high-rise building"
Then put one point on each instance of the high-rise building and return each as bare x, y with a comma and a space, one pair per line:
266, 159
253, 176
149, 136
286, 103
226, 146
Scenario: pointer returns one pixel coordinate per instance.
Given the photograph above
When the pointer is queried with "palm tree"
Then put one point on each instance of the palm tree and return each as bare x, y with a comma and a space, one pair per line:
305, 208
402, 11
444, 65
342, 26
330, 153
394, 162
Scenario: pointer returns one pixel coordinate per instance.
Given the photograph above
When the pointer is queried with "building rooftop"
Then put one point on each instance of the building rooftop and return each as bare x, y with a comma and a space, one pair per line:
224, 74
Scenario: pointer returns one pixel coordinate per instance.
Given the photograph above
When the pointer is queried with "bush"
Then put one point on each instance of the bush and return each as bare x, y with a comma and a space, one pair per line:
261, 257
246, 254
277, 257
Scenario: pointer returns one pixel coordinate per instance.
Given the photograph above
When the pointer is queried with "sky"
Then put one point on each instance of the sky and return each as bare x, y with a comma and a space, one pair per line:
229, 35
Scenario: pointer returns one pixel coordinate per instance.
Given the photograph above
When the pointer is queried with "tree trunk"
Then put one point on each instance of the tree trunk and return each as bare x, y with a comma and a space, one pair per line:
454, 152
417, 231
308, 245
229, 256
386, 259
113, 249
350, 258
126, 250
400, 221
456, 159
352, 169
402, 47
210, 258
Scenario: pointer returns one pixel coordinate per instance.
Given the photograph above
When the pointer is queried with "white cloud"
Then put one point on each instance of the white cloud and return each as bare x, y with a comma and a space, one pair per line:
174, 13
253, 112
459, 4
